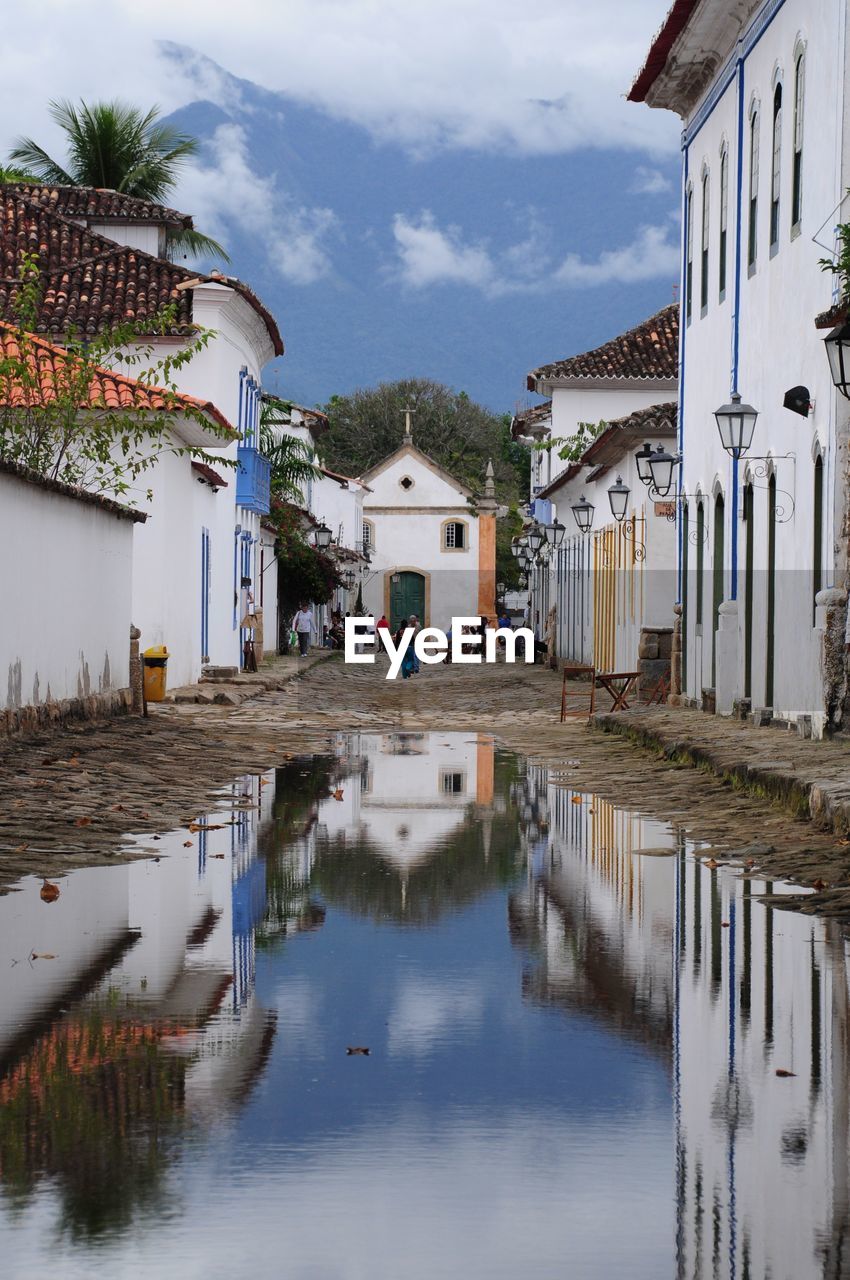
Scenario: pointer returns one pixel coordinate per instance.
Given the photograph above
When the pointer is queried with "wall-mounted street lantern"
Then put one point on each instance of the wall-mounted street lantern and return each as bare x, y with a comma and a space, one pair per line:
642, 463
837, 343
661, 464
347, 577
500, 588
323, 536
536, 538
555, 534
618, 496
583, 512
736, 423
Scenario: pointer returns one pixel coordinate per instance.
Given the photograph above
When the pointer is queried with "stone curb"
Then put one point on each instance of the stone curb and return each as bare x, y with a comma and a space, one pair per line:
823, 801
245, 686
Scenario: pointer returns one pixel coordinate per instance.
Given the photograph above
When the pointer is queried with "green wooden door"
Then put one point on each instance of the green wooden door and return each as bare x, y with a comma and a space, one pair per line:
407, 596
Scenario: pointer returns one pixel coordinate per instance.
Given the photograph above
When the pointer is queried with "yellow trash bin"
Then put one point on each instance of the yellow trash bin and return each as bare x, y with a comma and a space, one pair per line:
155, 662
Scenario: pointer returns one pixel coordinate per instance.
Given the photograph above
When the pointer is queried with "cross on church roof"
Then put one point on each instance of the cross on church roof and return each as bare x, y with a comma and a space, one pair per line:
408, 432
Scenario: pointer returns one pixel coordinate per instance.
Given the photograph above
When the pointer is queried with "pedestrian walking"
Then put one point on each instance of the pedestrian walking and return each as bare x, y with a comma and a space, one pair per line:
303, 624
414, 622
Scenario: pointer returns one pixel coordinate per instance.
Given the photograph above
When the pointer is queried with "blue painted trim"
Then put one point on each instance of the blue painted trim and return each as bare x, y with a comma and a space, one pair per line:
680, 524
237, 531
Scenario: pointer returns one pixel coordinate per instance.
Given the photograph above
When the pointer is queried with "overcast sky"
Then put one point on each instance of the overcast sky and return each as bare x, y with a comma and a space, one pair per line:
540, 76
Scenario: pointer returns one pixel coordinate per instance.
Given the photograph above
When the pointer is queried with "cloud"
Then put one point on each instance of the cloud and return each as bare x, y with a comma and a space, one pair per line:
651, 255
650, 182
482, 74
427, 255
228, 192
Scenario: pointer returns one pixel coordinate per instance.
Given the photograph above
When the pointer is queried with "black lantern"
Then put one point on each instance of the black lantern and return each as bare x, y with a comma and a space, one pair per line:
642, 463
523, 558
736, 423
837, 344
323, 537
555, 533
536, 538
347, 578
661, 464
618, 496
583, 512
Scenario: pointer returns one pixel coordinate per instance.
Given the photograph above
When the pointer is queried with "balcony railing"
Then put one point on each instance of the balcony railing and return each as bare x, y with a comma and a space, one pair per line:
253, 480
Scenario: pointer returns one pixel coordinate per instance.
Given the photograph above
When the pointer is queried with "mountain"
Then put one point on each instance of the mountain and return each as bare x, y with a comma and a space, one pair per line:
307, 205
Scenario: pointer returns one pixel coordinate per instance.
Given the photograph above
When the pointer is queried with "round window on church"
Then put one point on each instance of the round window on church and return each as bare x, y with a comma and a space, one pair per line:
406, 483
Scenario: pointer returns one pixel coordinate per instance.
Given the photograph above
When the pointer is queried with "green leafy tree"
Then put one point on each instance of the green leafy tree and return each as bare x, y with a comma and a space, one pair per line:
54, 418
449, 426
122, 148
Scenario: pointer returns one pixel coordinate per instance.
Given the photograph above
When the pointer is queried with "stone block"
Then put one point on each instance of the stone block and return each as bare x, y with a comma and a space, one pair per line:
762, 717
804, 726
665, 644
648, 648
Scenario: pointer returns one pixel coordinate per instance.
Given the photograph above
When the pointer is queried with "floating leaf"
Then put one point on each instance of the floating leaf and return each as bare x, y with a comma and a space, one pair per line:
780, 1071
576, 799
42, 955
48, 892
206, 826
83, 822
216, 855
187, 844
338, 793
357, 1051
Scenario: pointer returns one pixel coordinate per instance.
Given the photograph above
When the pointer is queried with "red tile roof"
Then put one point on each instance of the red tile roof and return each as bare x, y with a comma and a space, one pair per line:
98, 204
207, 473
530, 417
107, 390
650, 350
656, 60
90, 282
653, 422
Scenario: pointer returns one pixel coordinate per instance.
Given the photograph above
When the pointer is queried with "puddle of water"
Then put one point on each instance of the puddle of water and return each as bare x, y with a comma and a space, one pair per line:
574, 1030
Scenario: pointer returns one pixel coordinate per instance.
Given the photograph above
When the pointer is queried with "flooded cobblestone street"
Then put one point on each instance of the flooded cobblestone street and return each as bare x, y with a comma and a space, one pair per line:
396, 980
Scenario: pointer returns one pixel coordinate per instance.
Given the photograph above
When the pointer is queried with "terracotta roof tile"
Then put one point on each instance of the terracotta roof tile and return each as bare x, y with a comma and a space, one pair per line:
91, 283
97, 204
535, 415
656, 60
107, 389
650, 350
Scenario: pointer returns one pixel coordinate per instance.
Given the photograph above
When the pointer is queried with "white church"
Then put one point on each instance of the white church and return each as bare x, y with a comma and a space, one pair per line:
432, 542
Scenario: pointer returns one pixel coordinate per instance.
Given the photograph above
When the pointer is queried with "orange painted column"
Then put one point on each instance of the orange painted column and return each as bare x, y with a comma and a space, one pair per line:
485, 769
487, 566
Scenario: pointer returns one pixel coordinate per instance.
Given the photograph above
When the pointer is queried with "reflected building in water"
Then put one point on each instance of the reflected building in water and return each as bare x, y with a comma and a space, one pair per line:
127, 1007
747, 1003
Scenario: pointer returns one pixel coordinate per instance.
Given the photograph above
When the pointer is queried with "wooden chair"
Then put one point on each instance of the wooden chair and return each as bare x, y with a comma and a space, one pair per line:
575, 671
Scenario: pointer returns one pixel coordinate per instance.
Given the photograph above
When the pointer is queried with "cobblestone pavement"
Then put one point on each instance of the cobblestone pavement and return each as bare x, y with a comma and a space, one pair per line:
69, 799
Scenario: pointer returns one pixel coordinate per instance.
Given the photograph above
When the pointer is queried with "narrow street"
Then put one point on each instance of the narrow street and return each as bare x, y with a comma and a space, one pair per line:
77, 794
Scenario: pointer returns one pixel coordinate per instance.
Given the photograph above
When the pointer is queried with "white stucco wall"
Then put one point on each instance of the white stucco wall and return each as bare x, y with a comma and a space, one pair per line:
408, 537
180, 511
778, 348
591, 403
66, 577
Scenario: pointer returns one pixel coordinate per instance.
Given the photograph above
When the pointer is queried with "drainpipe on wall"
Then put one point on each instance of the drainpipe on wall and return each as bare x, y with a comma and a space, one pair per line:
736, 315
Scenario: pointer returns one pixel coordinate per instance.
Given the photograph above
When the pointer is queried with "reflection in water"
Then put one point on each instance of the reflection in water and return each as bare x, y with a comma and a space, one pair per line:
575, 1030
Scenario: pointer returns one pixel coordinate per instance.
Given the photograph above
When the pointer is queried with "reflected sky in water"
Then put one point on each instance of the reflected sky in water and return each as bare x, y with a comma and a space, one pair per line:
573, 1026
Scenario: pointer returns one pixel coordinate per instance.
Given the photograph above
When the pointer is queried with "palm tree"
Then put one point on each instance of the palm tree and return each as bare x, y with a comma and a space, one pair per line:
119, 147
292, 460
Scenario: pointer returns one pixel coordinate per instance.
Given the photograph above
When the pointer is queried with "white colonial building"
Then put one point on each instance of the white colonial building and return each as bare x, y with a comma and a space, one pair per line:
432, 547
635, 370
612, 586
760, 88
196, 560
611, 581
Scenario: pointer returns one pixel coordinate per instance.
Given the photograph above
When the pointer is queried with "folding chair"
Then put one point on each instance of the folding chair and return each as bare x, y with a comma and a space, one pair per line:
575, 710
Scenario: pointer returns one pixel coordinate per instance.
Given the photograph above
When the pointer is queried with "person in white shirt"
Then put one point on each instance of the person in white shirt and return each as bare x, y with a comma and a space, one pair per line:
303, 624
